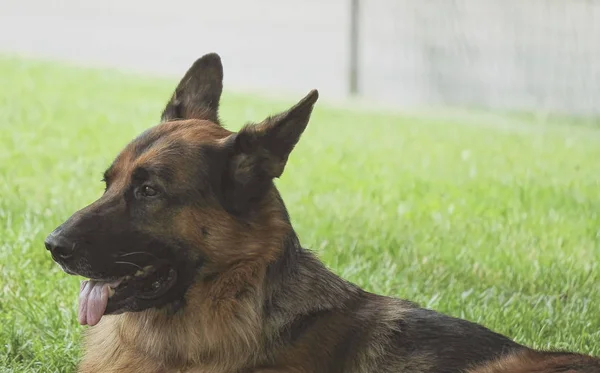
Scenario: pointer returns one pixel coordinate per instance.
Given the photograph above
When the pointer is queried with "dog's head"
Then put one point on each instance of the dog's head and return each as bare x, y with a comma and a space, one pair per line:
184, 200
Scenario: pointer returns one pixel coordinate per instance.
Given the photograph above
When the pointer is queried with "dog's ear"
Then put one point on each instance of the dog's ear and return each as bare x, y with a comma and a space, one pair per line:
259, 152
198, 94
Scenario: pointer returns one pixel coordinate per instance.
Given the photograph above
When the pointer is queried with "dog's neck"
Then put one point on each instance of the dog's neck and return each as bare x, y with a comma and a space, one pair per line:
297, 282
298, 276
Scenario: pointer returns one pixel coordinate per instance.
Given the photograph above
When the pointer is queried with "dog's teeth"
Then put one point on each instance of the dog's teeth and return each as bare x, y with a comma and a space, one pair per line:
143, 271
111, 292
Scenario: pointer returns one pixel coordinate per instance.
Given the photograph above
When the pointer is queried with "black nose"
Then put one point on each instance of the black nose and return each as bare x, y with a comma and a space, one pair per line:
59, 246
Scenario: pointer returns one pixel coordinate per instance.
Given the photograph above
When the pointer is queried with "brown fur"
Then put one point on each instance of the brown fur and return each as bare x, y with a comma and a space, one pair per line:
541, 362
257, 301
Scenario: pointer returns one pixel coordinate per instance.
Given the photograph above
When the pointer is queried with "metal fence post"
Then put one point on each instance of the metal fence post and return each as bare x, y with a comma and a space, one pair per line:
353, 70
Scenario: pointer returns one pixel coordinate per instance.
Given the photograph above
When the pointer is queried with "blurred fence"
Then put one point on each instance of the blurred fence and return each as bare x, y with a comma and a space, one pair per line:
506, 54
532, 55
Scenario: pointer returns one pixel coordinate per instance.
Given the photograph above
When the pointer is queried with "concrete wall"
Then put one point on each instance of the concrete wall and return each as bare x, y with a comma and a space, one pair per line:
506, 54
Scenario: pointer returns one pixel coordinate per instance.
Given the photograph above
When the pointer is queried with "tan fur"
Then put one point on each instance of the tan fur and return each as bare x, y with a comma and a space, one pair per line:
209, 335
539, 362
232, 241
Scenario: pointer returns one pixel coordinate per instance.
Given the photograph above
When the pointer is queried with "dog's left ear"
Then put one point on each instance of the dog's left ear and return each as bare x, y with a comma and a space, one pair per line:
259, 153
198, 94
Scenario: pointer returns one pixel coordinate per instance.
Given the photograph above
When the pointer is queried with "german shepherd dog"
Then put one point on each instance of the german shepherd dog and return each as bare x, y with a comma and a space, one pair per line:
193, 265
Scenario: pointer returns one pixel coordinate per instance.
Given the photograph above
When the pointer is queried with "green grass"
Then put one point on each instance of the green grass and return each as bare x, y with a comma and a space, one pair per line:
495, 221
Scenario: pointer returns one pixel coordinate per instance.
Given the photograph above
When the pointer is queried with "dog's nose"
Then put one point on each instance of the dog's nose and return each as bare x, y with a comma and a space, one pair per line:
59, 246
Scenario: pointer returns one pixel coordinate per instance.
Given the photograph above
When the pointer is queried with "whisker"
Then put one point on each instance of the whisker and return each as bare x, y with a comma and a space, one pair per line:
133, 264
137, 252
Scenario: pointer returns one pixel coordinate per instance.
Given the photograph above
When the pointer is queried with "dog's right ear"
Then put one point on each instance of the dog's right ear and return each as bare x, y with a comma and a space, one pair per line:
198, 94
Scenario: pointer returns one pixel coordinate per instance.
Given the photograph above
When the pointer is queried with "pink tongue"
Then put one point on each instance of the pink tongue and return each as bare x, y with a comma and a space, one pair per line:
93, 297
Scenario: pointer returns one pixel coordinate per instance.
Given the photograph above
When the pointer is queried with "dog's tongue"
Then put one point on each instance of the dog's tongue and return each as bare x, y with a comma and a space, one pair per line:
93, 297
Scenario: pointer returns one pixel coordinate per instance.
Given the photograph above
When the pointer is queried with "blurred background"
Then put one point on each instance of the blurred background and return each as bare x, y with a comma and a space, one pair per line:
538, 56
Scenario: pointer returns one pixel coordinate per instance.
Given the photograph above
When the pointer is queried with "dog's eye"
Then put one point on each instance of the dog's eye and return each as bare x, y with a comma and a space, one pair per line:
148, 191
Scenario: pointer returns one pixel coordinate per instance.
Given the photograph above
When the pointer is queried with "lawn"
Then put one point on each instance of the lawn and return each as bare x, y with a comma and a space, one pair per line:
496, 221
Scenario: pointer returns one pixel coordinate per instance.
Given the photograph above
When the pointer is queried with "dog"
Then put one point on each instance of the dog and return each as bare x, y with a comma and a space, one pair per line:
194, 266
